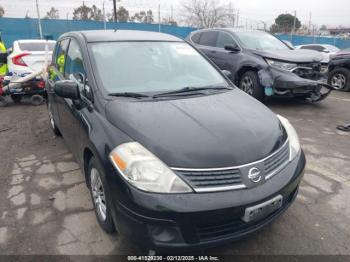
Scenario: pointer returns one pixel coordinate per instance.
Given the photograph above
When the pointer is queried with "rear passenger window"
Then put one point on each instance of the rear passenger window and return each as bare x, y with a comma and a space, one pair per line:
195, 38
209, 38
224, 39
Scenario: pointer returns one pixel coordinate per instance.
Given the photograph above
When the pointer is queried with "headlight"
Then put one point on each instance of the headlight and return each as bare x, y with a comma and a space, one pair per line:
145, 171
281, 65
294, 144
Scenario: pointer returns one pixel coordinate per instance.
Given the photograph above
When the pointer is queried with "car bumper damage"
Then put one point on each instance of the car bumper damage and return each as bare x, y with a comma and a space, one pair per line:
302, 82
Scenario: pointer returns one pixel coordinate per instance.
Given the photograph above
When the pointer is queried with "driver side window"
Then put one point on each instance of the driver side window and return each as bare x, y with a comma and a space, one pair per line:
224, 39
74, 68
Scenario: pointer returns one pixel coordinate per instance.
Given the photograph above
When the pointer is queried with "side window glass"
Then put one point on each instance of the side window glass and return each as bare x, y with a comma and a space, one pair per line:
209, 38
74, 68
58, 60
195, 38
224, 40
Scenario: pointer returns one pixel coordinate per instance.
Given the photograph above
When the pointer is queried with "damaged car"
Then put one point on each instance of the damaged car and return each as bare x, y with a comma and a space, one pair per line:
262, 65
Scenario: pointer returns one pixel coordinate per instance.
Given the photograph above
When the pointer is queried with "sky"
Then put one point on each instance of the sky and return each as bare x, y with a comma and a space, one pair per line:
331, 13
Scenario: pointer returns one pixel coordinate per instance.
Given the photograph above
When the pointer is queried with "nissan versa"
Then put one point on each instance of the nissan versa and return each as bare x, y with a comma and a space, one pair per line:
174, 155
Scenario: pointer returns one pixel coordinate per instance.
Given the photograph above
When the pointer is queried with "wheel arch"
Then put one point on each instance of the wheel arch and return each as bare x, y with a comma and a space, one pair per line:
242, 71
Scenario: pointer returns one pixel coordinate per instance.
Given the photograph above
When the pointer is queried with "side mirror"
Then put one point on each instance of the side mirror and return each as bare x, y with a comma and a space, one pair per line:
67, 89
226, 73
232, 48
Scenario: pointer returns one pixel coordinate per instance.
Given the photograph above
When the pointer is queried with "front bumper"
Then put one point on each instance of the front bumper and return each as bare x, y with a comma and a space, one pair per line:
311, 85
201, 220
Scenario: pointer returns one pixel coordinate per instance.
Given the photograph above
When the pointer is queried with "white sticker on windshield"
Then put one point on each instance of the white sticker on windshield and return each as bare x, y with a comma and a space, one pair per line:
185, 50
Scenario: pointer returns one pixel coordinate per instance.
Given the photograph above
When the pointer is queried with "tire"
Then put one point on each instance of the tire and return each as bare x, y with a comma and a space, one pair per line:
102, 206
249, 83
16, 98
54, 128
37, 100
339, 78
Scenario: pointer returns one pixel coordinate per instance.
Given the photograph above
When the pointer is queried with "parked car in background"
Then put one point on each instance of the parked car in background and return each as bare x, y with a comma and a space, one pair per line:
158, 132
339, 71
262, 65
28, 56
327, 51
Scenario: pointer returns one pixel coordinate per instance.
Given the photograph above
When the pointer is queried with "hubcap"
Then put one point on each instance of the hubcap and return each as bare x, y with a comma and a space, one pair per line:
51, 117
338, 81
98, 194
247, 85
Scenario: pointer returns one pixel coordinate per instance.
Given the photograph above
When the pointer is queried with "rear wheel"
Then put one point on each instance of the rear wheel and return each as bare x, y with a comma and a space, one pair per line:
99, 197
16, 98
52, 121
340, 79
250, 84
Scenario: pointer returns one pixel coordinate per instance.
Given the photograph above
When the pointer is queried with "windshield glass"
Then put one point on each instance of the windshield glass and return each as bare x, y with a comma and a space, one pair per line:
259, 40
332, 48
36, 46
152, 67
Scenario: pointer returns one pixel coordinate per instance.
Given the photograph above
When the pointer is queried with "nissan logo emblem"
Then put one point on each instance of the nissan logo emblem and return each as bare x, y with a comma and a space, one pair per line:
254, 175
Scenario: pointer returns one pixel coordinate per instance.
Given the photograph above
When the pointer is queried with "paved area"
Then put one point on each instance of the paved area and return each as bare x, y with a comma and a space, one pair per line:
45, 207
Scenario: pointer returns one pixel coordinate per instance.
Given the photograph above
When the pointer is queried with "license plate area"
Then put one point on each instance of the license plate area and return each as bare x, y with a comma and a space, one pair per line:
262, 210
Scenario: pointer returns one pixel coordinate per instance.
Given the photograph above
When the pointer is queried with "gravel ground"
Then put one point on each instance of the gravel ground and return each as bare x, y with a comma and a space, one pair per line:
46, 209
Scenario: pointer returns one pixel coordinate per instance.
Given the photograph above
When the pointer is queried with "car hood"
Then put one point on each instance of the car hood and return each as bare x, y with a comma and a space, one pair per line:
294, 56
220, 130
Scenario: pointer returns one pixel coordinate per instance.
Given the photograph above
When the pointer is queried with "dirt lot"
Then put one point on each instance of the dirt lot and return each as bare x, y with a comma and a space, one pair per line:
45, 207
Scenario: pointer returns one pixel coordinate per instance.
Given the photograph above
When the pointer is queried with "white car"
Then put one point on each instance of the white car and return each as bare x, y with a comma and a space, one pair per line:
28, 56
327, 51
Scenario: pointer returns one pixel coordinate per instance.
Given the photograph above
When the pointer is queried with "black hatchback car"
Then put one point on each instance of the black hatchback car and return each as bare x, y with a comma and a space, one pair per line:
262, 65
174, 155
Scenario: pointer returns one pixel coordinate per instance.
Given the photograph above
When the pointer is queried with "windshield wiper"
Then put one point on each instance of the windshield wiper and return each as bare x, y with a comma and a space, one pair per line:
192, 90
129, 94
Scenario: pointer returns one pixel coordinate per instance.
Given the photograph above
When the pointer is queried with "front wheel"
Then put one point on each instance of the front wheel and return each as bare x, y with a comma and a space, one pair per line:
250, 84
99, 197
340, 79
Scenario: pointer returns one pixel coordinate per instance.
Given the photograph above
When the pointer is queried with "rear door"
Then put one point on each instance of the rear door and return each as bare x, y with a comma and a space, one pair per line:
207, 43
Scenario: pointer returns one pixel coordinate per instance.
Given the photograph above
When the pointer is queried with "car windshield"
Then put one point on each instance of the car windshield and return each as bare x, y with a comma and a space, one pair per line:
152, 67
36, 46
259, 40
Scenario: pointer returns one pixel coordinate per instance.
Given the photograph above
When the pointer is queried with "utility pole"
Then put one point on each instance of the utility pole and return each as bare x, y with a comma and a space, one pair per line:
115, 11
310, 23
104, 16
159, 16
237, 19
39, 20
294, 25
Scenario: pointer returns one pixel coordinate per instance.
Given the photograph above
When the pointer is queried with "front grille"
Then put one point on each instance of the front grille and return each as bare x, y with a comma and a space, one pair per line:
309, 71
235, 227
209, 179
277, 161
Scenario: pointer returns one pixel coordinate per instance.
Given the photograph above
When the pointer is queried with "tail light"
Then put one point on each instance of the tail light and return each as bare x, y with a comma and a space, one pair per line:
17, 60
41, 84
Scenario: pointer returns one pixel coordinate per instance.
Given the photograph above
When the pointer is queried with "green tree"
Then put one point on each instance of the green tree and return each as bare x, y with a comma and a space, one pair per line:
87, 13
285, 22
2, 11
143, 17
123, 14
53, 13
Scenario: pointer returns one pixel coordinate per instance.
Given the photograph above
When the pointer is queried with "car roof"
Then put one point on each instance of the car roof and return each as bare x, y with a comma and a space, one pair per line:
123, 35
230, 29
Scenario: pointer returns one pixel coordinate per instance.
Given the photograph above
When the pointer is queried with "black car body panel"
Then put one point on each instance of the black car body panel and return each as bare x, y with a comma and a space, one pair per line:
223, 129
189, 126
306, 80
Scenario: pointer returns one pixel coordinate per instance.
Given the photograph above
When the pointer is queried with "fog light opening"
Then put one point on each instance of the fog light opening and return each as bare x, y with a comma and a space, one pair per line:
165, 234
